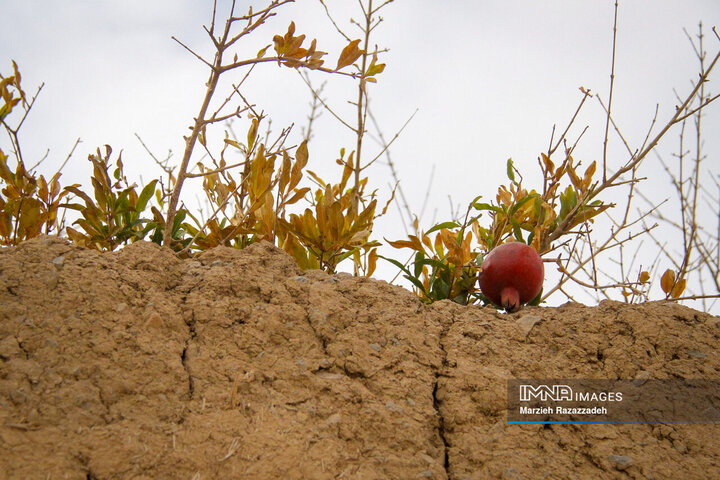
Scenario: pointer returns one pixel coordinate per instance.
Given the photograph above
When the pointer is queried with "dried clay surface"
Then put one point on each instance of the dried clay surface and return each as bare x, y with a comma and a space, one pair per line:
236, 364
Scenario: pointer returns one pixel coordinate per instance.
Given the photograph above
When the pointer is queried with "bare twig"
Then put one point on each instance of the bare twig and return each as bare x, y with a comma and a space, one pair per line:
612, 82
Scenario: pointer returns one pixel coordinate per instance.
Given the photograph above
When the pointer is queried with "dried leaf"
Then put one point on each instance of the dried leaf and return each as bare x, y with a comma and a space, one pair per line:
301, 155
252, 133
372, 262
297, 196
374, 67
285, 172
43, 193
577, 183
587, 179
349, 54
667, 280
549, 165
233, 143
401, 244
679, 288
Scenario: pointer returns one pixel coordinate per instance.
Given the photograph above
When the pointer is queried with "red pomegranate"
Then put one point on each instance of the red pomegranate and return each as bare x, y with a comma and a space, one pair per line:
511, 275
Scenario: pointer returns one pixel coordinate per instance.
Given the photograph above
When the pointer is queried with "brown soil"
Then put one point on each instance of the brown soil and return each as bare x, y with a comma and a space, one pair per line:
236, 364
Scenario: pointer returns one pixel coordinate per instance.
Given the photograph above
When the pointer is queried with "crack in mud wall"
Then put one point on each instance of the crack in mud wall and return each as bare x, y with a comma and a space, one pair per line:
136, 363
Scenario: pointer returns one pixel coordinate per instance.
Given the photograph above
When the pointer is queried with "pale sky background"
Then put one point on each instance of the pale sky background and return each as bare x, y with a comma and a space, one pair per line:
489, 80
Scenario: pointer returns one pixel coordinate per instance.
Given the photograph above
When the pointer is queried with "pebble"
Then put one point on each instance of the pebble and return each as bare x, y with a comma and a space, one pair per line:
527, 322
621, 462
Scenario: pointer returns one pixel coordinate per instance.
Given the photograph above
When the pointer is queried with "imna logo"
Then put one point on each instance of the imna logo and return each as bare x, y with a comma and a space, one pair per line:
555, 393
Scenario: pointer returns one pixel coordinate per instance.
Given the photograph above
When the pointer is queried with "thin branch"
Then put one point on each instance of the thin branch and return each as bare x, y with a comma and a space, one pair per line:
327, 12
217, 170
634, 161
612, 82
193, 53
327, 107
387, 145
586, 94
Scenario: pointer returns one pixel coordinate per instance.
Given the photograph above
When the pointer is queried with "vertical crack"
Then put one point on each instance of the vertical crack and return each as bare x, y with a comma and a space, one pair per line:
441, 425
436, 402
183, 357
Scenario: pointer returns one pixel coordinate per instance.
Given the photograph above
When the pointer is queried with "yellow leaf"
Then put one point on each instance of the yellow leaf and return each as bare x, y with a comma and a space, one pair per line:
349, 54
439, 250
679, 288
5, 224
372, 262
233, 143
549, 165
301, 155
587, 179
426, 241
252, 132
644, 277
279, 42
401, 244
43, 190
504, 197
359, 237
375, 69
448, 239
315, 177
285, 172
577, 183
667, 280
297, 196
75, 236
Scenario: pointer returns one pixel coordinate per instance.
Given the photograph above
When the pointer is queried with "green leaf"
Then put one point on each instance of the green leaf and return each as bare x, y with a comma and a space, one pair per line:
145, 196
375, 69
179, 217
440, 226
419, 257
487, 206
417, 283
440, 289
516, 229
510, 172
568, 200
520, 203
346, 255
407, 275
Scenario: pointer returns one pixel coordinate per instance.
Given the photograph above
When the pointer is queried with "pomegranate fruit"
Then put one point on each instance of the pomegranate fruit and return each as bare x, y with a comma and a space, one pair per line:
511, 275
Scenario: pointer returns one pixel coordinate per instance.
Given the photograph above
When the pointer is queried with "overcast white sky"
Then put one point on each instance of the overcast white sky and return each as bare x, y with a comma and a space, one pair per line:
489, 80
